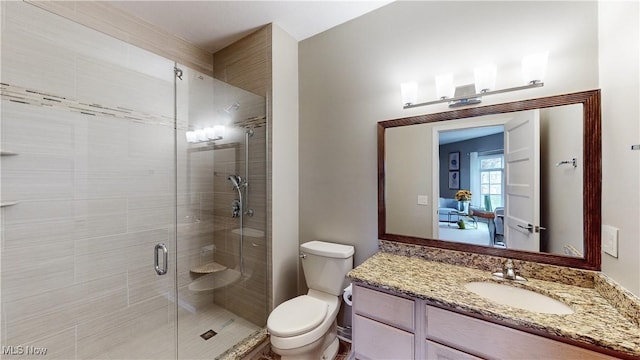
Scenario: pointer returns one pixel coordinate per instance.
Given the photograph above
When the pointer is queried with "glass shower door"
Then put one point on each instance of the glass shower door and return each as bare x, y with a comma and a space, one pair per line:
221, 270
87, 192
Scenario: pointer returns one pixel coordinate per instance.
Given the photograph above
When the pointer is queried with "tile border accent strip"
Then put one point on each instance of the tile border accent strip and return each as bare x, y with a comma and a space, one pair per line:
27, 96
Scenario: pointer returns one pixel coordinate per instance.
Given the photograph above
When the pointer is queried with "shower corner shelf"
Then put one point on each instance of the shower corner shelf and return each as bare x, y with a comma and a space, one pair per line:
209, 268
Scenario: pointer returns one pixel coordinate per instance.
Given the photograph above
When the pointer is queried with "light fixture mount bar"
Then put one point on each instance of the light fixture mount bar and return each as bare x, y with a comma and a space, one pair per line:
533, 84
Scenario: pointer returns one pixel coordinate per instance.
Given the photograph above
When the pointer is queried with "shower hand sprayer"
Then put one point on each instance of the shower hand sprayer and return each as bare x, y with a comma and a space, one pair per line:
239, 206
237, 211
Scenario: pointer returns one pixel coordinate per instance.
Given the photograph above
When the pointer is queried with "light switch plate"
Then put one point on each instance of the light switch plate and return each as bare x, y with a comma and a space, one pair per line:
423, 200
610, 240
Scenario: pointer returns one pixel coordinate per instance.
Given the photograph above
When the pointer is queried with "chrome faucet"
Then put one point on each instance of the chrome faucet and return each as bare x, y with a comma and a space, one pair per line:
509, 272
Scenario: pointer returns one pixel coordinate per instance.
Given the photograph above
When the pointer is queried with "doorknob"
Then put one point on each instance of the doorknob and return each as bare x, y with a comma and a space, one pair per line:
156, 260
538, 228
529, 227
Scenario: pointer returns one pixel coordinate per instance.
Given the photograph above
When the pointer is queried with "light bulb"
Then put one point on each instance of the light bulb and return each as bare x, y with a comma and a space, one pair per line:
444, 86
209, 133
534, 67
191, 136
485, 78
201, 135
218, 131
409, 91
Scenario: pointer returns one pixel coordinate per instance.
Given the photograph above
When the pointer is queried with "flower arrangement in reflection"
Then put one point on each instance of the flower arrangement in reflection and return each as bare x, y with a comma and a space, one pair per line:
463, 195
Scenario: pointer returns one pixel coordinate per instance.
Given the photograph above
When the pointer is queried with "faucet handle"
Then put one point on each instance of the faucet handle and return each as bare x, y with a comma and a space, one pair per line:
508, 264
508, 270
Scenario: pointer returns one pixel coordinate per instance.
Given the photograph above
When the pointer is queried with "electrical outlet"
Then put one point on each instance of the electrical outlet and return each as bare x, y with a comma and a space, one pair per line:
423, 200
610, 240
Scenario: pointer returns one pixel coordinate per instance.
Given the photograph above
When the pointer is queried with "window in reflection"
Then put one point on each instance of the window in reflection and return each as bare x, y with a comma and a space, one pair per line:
491, 173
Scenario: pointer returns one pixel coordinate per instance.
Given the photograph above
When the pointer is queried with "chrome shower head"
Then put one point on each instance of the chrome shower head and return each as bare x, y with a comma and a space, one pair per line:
235, 180
235, 106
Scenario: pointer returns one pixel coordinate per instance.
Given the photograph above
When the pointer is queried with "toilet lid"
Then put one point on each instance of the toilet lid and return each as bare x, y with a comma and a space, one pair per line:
297, 316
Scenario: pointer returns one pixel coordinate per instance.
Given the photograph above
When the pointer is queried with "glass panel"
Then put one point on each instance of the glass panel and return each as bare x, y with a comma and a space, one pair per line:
491, 163
92, 191
496, 201
496, 177
222, 274
484, 177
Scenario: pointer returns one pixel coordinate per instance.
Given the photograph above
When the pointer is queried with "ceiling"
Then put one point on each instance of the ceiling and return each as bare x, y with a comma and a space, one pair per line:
212, 25
447, 137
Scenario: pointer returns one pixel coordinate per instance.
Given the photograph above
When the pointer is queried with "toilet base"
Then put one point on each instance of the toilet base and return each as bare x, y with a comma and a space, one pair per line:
331, 352
325, 348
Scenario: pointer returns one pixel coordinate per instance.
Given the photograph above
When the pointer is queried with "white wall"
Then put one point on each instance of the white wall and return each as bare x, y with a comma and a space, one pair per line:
350, 79
408, 174
619, 34
284, 185
561, 197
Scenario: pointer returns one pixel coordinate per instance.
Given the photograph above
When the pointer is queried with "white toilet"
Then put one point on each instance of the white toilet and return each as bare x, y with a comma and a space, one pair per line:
305, 327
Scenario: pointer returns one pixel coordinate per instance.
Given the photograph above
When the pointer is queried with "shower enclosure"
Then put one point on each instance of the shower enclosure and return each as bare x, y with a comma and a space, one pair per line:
119, 236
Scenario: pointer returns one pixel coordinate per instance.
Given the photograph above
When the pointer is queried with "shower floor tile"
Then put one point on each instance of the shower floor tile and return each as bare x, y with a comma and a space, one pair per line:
159, 344
229, 327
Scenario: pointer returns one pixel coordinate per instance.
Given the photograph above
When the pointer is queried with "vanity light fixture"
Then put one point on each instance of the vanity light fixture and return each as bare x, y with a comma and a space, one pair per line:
205, 135
533, 71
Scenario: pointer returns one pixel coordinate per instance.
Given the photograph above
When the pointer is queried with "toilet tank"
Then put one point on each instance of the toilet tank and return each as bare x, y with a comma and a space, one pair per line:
325, 265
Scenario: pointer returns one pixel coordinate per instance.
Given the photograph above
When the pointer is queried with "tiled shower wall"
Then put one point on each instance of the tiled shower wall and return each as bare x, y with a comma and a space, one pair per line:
247, 298
91, 119
203, 170
247, 64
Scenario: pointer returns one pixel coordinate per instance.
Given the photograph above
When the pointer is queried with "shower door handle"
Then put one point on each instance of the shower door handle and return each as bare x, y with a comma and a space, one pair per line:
156, 259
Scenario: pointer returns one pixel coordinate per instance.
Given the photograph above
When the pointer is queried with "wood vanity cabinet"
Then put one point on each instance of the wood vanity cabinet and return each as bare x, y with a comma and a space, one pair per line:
489, 340
383, 325
387, 326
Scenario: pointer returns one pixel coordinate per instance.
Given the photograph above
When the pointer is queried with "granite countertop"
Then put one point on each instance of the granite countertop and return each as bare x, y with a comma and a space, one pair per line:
595, 321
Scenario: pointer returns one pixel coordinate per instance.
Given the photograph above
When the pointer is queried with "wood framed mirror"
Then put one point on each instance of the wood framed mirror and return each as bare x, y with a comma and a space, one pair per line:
590, 166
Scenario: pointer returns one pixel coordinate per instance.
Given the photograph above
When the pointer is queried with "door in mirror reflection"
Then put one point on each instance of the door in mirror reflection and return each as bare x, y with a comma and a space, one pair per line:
517, 189
480, 221
522, 175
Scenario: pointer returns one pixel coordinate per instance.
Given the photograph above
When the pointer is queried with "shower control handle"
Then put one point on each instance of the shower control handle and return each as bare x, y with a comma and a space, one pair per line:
236, 207
165, 258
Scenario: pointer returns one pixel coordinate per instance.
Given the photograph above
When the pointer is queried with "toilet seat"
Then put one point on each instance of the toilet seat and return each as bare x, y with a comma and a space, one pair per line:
332, 304
297, 316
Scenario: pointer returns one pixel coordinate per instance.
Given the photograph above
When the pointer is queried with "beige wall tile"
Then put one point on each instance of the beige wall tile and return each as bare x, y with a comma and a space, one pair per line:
60, 346
245, 63
128, 28
64, 317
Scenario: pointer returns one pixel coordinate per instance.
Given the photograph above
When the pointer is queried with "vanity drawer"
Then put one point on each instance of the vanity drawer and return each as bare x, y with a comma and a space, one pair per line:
390, 309
374, 340
489, 340
437, 351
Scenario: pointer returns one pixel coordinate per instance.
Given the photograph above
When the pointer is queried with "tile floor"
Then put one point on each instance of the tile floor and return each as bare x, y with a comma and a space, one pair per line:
343, 353
229, 327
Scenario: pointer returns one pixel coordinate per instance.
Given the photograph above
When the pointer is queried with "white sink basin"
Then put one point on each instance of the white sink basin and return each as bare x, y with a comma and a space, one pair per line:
518, 298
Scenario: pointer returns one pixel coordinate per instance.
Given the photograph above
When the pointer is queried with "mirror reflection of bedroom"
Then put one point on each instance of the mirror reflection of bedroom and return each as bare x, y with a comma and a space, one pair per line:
471, 202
